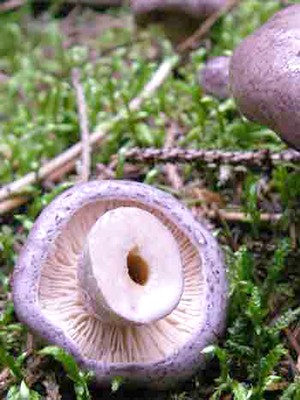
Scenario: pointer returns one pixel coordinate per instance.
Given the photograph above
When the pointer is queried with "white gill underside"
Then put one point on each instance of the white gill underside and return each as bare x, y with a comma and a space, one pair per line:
62, 302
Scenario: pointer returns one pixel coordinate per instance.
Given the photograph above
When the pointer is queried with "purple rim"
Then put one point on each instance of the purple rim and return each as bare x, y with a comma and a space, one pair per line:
175, 367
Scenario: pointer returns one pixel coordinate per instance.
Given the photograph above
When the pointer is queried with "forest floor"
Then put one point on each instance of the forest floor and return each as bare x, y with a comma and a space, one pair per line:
47, 55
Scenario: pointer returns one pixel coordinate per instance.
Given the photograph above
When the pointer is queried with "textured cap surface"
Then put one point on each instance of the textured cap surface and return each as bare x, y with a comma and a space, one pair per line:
265, 75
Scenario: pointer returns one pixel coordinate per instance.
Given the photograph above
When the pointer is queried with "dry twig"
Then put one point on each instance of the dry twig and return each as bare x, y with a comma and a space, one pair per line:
83, 121
155, 82
257, 158
11, 204
191, 42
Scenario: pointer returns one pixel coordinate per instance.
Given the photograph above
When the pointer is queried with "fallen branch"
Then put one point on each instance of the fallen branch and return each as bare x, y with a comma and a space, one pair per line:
191, 42
66, 161
84, 128
256, 158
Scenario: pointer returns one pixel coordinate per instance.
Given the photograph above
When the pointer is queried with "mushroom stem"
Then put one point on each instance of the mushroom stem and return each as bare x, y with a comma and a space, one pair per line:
130, 270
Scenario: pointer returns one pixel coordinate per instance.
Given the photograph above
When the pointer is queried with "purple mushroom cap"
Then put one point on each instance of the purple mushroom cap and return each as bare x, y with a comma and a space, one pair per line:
265, 75
214, 77
178, 18
48, 298
194, 8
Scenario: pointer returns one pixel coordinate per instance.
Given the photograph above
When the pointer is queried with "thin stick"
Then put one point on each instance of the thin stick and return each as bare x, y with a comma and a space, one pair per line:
11, 204
191, 42
155, 82
292, 340
70, 156
256, 158
84, 128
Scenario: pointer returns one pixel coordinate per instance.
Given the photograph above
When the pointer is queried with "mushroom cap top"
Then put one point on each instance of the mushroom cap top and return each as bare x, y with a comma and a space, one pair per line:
48, 298
147, 10
214, 77
178, 18
265, 75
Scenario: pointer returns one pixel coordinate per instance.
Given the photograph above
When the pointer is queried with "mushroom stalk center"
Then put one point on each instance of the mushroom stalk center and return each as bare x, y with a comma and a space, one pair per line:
138, 269
130, 270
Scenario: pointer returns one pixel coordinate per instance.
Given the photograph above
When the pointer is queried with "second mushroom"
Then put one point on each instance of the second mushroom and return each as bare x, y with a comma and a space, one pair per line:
265, 75
178, 18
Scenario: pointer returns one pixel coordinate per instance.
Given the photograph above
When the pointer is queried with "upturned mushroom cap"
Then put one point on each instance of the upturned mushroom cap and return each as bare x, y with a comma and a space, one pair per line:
60, 292
214, 77
265, 75
178, 18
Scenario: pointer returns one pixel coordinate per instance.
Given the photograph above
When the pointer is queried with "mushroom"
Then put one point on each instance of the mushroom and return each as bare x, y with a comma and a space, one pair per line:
214, 77
178, 18
122, 276
265, 75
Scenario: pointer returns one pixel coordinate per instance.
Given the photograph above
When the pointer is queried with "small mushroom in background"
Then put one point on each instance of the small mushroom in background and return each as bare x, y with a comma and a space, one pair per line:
214, 77
265, 75
178, 18
123, 277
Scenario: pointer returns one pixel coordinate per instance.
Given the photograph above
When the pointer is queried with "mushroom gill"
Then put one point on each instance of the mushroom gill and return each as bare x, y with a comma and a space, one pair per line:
63, 302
